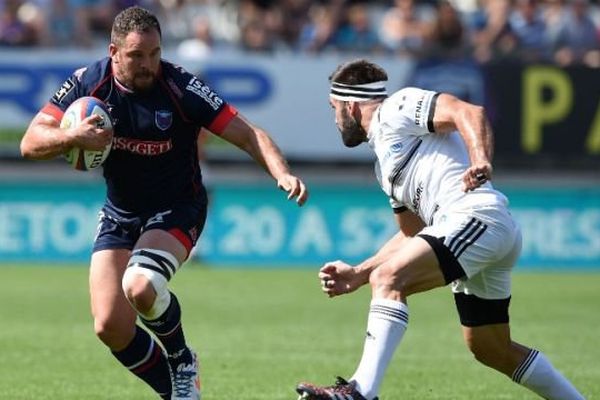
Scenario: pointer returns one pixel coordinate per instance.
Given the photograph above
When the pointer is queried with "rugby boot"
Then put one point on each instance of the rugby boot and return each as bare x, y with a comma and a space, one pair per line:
342, 390
186, 378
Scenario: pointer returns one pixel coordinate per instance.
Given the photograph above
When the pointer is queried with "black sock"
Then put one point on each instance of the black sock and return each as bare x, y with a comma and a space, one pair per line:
168, 330
144, 358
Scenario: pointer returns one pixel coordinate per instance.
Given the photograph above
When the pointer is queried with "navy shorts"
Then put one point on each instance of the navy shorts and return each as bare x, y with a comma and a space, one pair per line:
121, 230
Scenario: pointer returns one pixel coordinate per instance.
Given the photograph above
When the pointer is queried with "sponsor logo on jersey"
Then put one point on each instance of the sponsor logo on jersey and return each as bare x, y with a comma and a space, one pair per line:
199, 88
158, 218
417, 199
419, 111
79, 73
142, 147
64, 90
163, 119
110, 108
396, 147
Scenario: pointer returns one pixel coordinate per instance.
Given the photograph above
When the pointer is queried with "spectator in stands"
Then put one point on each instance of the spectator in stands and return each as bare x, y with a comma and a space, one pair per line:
60, 24
292, 16
577, 41
200, 45
554, 15
356, 33
256, 37
404, 27
447, 31
91, 17
179, 17
15, 28
527, 24
317, 35
449, 68
258, 26
491, 36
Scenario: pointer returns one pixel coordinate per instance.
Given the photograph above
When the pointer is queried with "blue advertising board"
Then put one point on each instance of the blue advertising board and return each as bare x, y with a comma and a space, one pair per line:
43, 221
253, 225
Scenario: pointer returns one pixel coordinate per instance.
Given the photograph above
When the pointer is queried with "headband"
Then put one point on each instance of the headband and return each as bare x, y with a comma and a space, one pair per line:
362, 92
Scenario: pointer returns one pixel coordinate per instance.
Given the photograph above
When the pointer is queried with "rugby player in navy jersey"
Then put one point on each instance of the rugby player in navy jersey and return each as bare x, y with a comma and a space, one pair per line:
156, 203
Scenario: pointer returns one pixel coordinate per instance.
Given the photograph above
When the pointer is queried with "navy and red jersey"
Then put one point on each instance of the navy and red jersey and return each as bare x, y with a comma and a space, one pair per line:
154, 158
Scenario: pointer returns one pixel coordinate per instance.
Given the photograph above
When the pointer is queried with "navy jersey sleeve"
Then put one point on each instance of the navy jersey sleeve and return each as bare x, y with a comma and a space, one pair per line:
81, 83
69, 91
199, 103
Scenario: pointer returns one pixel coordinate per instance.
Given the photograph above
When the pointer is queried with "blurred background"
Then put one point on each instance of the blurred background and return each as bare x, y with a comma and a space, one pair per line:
534, 65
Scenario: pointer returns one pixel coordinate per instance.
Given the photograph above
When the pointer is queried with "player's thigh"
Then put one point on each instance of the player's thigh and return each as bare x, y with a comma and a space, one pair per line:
108, 303
159, 239
414, 268
175, 230
477, 251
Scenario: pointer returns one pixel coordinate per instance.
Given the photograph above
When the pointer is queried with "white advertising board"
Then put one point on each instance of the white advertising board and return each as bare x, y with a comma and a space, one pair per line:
286, 94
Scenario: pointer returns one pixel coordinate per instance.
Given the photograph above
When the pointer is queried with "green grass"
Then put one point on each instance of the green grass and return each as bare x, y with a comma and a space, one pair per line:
258, 332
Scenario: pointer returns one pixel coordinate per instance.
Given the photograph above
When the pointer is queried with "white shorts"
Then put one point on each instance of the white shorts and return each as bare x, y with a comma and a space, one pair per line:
486, 243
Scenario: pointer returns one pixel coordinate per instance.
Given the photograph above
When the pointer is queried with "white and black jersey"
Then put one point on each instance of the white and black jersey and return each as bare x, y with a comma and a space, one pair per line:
417, 168
475, 238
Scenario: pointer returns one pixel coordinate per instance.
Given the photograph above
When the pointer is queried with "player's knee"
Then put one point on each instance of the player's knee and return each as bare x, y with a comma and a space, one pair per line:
490, 350
138, 289
145, 281
479, 351
112, 332
490, 356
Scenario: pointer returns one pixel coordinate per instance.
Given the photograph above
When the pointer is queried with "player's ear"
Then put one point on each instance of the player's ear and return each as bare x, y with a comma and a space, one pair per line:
112, 52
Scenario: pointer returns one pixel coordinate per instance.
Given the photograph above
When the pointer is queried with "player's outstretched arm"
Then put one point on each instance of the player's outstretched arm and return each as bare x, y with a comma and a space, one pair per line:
339, 278
44, 139
257, 143
471, 122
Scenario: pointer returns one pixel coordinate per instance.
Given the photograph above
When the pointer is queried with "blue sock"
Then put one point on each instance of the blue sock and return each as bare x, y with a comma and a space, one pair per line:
145, 359
169, 331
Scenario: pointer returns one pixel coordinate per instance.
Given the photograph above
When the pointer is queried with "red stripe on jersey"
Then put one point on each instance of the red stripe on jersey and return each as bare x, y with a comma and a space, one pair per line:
98, 86
53, 111
225, 116
183, 238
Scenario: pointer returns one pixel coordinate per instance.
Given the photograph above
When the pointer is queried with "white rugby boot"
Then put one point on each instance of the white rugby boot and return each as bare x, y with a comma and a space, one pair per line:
186, 379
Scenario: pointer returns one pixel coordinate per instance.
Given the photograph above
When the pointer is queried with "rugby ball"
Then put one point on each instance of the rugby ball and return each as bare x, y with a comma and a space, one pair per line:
80, 109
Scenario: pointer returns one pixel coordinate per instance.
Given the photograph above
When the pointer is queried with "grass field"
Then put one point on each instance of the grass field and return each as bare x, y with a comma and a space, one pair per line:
258, 332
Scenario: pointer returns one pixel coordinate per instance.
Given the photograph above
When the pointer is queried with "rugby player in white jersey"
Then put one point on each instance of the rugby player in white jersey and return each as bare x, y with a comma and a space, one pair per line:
434, 156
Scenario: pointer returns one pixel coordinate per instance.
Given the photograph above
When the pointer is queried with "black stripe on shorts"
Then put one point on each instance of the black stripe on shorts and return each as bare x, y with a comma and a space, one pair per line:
449, 265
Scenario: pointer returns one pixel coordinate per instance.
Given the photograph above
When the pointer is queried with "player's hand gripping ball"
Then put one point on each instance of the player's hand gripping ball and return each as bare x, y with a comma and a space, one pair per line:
80, 109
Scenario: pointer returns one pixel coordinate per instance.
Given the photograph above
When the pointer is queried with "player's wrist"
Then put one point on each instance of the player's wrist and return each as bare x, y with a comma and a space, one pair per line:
363, 272
69, 138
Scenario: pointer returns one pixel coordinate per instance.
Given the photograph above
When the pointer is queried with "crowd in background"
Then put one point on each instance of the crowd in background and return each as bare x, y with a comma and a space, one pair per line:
566, 32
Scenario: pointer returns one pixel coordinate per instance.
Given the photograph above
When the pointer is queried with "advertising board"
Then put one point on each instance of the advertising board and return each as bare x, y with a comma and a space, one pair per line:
253, 225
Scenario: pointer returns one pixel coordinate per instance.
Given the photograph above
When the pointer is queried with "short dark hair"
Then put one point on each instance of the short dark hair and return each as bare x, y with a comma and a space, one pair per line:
358, 72
133, 19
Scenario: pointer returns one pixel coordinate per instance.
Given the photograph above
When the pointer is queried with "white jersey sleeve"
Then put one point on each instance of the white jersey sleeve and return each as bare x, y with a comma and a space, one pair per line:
417, 168
410, 111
